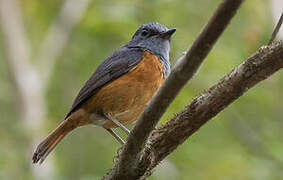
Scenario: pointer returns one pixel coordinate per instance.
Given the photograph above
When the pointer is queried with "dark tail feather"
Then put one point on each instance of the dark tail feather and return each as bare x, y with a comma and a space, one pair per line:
50, 142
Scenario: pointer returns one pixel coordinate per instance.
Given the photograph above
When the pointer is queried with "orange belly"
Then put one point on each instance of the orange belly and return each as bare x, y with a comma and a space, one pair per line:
126, 97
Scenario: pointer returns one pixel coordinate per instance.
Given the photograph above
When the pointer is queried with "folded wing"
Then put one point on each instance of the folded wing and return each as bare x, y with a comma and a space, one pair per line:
119, 63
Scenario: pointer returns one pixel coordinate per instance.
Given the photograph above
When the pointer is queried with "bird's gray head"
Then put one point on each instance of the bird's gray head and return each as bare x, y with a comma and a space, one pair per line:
155, 38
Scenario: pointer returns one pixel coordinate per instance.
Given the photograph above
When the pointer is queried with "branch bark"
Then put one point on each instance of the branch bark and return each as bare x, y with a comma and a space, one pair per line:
128, 166
266, 61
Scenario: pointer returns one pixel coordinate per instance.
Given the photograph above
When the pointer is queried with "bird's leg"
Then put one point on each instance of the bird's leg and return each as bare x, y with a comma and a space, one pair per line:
111, 118
116, 136
115, 121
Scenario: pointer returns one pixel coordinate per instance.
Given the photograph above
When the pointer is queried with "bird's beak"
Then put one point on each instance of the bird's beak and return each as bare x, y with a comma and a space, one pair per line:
167, 34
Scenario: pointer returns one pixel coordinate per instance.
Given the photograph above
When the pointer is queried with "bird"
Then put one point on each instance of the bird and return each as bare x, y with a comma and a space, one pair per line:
119, 89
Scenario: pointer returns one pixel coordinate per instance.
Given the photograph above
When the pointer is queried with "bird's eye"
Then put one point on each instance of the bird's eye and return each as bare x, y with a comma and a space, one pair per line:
144, 32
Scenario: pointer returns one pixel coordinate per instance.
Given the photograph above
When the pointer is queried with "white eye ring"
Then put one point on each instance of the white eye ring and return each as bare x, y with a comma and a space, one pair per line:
144, 32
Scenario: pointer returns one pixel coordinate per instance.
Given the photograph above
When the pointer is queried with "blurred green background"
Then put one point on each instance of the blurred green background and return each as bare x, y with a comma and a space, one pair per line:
244, 142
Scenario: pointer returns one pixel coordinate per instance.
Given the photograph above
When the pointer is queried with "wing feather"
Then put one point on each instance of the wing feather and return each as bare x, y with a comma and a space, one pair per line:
119, 63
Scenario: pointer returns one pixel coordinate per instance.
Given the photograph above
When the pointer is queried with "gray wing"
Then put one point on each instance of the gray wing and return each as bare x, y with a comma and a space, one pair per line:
119, 63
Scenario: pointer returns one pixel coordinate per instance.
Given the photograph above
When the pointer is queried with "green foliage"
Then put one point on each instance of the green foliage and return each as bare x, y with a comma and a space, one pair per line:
217, 151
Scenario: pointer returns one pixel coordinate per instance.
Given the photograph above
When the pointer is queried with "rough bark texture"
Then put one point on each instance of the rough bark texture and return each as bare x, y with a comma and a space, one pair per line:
261, 65
128, 166
163, 140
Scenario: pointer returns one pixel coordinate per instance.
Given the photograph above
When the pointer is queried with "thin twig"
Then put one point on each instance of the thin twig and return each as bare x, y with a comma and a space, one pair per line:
276, 30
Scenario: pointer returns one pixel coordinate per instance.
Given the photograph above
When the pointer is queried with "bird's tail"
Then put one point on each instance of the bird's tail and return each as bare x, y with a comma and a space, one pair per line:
50, 142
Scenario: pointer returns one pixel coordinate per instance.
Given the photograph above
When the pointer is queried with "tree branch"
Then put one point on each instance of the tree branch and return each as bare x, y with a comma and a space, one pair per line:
276, 10
266, 61
276, 30
128, 166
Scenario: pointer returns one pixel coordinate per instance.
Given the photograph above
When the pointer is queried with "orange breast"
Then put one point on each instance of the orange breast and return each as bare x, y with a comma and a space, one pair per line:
126, 97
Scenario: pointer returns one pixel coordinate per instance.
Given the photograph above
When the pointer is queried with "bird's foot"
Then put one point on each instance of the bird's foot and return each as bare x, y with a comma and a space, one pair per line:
117, 156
